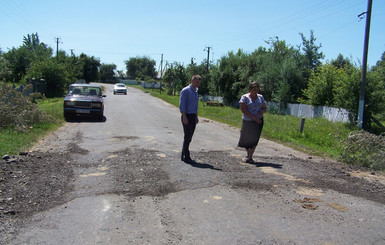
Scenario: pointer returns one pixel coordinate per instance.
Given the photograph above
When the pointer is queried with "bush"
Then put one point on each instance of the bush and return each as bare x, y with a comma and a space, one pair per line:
364, 149
18, 110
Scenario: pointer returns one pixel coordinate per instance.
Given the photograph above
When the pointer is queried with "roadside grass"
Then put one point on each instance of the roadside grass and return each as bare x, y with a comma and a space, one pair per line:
319, 137
53, 107
13, 141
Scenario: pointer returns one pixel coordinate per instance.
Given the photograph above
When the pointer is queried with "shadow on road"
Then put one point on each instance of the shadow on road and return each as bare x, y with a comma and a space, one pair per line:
266, 164
81, 119
204, 165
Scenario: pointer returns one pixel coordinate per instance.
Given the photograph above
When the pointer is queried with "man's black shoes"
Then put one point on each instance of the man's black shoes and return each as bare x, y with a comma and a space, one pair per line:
189, 161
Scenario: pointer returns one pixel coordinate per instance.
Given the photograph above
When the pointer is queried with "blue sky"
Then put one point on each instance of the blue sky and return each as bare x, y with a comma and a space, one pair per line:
116, 30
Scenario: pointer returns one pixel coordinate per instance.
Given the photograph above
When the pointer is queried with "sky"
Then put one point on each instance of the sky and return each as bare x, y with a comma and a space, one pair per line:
184, 30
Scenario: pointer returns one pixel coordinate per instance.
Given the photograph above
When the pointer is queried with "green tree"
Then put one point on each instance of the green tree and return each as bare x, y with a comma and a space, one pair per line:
341, 62
141, 68
281, 73
347, 89
340, 87
228, 83
312, 54
17, 61
194, 69
175, 78
321, 86
38, 50
380, 67
90, 67
54, 74
107, 73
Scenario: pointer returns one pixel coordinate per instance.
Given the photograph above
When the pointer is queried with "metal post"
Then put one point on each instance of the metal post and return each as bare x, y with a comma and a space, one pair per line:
301, 125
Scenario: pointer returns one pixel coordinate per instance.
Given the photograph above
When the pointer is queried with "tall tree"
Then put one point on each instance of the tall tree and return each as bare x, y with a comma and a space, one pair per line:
341, 62
19, 60
312, 51
54, 74
17, 63
175, 77
107, 73
141, 68
90, 66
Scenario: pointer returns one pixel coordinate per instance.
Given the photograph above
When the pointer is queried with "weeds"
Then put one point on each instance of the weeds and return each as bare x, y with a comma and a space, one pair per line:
364, 149
18, 110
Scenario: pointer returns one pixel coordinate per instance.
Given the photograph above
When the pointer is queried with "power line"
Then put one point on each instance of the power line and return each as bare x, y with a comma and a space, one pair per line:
15, 12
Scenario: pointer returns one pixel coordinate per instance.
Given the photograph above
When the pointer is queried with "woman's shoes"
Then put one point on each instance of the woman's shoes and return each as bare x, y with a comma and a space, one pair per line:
248, 160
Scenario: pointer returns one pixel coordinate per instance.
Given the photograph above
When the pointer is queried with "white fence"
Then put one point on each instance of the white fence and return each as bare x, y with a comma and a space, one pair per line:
298, 110
152, 85
301, 110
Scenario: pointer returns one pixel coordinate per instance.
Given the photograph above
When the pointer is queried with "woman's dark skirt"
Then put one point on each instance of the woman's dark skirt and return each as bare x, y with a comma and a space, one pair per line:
250, 134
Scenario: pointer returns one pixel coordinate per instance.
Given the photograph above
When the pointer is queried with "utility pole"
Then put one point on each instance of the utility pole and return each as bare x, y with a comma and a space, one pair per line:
161, 67
361, 106
57, 39
208, 56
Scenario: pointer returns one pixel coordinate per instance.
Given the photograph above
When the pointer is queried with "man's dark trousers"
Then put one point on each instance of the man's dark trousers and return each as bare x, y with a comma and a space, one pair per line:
188, 134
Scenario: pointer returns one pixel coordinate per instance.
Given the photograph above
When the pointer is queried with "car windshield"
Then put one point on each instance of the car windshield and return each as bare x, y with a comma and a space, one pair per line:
120, 85
85, 90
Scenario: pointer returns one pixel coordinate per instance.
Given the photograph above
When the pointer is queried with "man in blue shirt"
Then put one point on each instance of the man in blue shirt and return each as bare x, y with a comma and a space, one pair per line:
188, 105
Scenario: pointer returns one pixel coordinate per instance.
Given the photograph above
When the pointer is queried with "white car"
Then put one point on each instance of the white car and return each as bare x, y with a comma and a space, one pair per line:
120, 88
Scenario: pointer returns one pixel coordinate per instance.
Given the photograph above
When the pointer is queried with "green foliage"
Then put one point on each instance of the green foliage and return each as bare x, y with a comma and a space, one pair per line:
17, 61
54, 74
312, 54
194, 69
279, 70
347, 90
90, 66
107, 73
229, 82
341, 62
322, 83
340, 87
140, 68
175, 78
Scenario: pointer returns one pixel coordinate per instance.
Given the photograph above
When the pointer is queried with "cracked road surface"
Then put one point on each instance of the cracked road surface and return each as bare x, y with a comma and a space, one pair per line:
127, 185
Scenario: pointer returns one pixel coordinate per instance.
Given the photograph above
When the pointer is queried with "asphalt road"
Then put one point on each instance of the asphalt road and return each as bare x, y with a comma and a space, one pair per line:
130, 187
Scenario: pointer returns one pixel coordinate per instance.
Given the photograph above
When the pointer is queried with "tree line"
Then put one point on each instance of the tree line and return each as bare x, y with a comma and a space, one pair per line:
34, 60
287, 74
290, 74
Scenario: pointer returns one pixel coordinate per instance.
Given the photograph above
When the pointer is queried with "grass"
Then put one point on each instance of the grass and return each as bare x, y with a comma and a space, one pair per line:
53, 107
13, 141
320, 137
